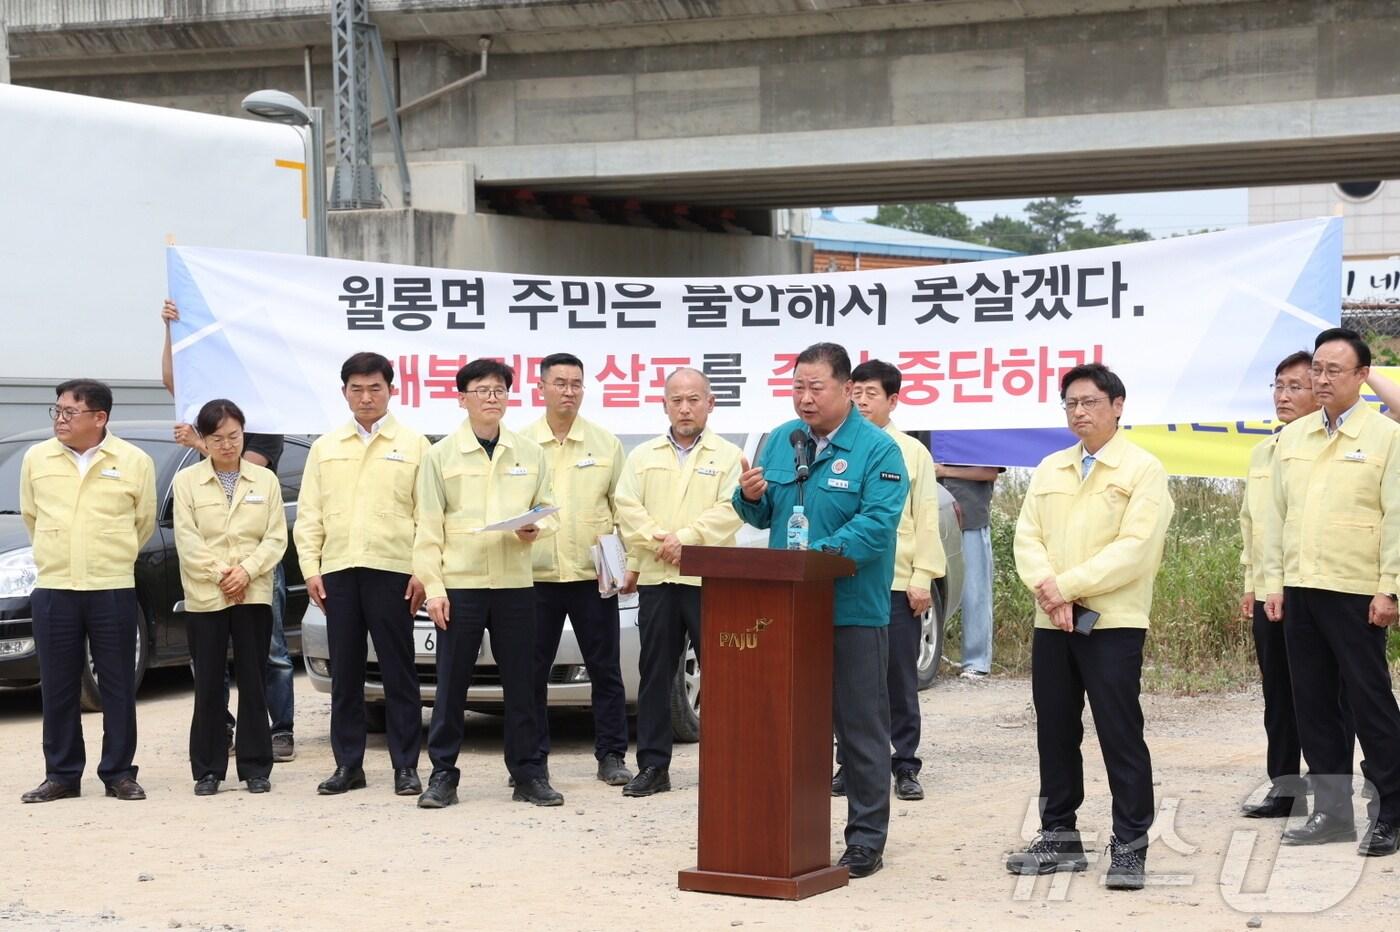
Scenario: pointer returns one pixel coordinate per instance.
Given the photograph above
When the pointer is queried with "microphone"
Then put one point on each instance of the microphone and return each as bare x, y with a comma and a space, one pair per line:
798, 439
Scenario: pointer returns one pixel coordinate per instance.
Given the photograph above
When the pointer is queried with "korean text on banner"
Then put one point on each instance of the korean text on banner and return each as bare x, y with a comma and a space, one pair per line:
1197, 322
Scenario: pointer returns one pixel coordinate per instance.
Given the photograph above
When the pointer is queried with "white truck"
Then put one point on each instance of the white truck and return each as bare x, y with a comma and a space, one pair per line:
91, 190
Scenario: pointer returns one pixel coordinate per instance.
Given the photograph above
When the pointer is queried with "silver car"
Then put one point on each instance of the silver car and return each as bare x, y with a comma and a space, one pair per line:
569, 686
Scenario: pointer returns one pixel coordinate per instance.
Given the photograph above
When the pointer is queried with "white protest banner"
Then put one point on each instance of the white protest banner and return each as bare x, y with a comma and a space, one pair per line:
1193, 324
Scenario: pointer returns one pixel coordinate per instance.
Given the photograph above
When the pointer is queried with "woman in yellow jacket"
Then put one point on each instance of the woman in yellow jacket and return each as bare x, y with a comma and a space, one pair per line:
230, 532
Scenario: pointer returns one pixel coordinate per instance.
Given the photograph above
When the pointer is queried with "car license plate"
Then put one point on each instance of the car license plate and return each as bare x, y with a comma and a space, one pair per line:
425, 639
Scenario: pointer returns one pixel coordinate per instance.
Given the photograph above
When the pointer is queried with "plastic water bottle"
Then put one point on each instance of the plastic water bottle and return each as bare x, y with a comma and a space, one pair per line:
797, 529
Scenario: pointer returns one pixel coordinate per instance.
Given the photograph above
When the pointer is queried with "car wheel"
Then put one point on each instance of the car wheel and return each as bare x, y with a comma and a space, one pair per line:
376, 718
931, 642
89, 695
685, 697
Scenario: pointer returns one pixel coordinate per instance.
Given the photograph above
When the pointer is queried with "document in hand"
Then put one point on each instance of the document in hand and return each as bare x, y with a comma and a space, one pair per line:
610, 560
520, 521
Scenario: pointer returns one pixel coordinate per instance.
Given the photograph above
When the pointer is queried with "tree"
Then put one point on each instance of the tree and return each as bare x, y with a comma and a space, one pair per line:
1105, 232
1003, 232
1056, 218
935, 218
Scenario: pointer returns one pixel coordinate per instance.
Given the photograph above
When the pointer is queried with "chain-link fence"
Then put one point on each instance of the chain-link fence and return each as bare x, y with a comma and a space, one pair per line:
1373, 321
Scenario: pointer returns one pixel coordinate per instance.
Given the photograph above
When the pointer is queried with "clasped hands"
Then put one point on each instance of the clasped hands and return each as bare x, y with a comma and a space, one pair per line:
1048, 598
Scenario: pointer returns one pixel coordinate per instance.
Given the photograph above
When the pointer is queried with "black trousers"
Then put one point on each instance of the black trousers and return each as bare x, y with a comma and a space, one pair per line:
509, 614
666, 614
1107, 665
1280, 723
1334, 650
905, 633
104, 619
209, 633
362, 602
594, 620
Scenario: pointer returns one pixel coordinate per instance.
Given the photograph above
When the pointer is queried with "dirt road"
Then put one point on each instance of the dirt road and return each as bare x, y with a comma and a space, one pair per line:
369, 860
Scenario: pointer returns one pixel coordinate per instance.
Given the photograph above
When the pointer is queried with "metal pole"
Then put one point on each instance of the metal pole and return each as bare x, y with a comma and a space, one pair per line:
310, 88
4, 52
391, 102
316, 165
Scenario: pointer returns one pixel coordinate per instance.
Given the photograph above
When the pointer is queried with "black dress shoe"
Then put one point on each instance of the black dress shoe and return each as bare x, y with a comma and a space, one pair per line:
49, 790
612, 770
206, 785
861, 861
406, 782
1274, 807
441, 792
537, 790
126, 788
1320, 829
343, 780
1381, 839
649, 782
259, 785
838, 782
906, 785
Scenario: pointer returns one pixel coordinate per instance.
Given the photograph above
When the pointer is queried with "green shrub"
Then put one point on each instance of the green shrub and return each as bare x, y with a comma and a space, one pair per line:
1197, 641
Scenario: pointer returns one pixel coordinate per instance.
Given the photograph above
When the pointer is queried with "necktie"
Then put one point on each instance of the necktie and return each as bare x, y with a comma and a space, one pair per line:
1088, 464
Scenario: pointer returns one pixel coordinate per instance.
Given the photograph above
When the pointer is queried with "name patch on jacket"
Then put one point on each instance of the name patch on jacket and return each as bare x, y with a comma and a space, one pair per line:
891, 476
839, 483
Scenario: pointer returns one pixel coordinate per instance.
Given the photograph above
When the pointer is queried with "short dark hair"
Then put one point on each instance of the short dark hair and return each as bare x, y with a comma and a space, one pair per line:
96, 395
559, 359
213, 413
484, 369
1103, 377
1300, 358
833, 354
877, 370
1346, 335
367, 364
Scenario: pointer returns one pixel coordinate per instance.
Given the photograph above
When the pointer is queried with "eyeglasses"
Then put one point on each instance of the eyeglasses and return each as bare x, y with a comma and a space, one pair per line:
1289, 388
486, 394
562, 387
1084, 404
232, 440
66, 414
1333, 372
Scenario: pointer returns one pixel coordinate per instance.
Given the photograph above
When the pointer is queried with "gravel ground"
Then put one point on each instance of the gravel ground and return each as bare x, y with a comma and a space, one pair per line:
293, 860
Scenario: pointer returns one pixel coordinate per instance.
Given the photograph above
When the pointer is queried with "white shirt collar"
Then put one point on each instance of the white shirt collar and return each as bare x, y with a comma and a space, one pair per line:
368, 435
86, 459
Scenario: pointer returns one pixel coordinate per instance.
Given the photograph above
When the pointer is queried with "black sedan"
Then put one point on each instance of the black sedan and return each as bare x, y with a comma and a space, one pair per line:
161, 634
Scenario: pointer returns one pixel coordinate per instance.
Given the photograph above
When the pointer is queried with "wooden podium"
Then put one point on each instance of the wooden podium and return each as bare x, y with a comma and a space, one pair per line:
765, 747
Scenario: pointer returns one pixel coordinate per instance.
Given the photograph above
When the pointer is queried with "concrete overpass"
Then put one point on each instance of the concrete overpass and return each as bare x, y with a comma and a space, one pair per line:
780, 103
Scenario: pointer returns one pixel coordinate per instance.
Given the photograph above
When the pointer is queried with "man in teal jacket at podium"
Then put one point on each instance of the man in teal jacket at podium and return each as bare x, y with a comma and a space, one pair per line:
853, 495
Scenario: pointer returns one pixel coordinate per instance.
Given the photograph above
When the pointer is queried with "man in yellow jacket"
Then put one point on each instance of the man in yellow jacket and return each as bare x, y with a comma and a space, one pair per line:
675, 492
88, 499
1293, 398
1089, 540
354, 535
480, 580
1331, 560
585, 464
918, 561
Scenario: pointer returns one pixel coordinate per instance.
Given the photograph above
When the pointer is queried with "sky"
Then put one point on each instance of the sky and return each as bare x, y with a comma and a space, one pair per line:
1160, 214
